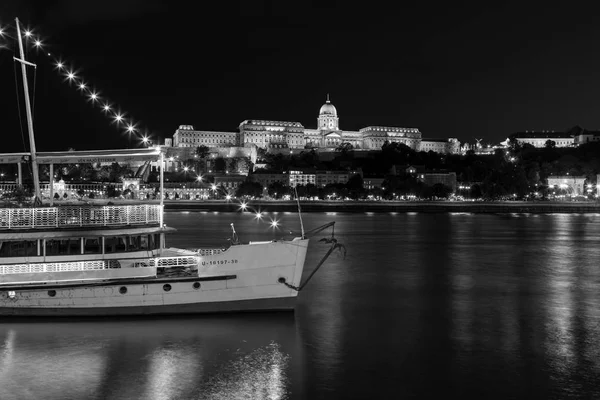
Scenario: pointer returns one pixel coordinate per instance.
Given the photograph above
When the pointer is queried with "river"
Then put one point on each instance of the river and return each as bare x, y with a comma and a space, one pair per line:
460, 305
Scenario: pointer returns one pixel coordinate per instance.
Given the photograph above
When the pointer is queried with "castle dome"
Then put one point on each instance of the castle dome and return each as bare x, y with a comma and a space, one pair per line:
328, 108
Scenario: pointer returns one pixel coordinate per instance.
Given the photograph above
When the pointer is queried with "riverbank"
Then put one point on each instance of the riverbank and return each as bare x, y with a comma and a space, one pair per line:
389, 206
536, 207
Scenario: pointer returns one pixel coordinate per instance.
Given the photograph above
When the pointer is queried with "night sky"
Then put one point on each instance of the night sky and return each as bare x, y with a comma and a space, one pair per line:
451, 71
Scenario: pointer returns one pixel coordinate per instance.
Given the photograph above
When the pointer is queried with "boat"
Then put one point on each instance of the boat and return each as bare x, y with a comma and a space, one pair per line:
111, 260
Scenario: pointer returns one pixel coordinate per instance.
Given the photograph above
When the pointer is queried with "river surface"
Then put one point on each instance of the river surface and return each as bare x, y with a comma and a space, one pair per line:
423, 306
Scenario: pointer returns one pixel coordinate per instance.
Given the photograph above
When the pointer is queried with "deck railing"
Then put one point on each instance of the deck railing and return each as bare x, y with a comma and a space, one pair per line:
209, 252
167, 262
82, 216
53, 267
163, 262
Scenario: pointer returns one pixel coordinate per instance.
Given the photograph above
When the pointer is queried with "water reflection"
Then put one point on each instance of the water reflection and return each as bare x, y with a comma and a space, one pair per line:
173, 370
214, 357
498, 305
261, 374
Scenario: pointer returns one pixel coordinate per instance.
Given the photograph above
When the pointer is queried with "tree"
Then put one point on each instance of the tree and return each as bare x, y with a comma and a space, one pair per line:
111, 191
261, 153
277, 190
118, 172
201, 155
355, 187
231, 165
550, 144
344, 147
440, 190
475, 192
202, 151
220, 164
249, 189
21, 194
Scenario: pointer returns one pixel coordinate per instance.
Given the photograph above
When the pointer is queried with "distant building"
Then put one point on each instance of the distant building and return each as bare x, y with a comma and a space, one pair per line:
375, 136
187, 136
302, 178
266, 179
583, 136
433, 177
324, 178
229, 182
567, 185
406, 169
373, 182
287, 136
443, 146
271, 134
540, 138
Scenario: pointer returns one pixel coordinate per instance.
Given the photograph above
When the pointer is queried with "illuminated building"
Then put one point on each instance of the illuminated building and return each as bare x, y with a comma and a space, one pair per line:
290, 135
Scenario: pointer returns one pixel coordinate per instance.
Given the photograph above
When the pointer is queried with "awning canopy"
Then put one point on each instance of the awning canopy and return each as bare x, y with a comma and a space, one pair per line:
86, 156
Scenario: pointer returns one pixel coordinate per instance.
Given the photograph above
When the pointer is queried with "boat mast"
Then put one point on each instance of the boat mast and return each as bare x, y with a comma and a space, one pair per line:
299, 211
34, 165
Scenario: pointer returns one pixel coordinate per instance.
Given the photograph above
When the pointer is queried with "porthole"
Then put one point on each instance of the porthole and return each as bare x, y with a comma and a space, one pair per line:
122, 290
166, 287
51, 293
196, 285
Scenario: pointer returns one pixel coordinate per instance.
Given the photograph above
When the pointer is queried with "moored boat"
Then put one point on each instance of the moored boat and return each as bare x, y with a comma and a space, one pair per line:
113, 259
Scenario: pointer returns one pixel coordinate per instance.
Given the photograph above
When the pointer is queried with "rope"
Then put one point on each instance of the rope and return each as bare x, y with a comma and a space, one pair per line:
19, 105
33, 97
325, 257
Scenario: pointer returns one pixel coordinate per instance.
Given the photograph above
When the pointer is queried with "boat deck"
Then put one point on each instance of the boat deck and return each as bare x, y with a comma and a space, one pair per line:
43, 218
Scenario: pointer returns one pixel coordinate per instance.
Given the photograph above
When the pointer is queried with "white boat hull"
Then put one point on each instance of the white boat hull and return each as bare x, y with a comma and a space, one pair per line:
243, 278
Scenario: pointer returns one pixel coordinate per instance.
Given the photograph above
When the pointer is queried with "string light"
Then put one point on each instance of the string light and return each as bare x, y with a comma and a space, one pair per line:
71, 76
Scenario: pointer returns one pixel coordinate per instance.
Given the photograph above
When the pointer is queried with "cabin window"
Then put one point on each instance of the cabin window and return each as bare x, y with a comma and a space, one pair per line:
110, 245
130, 243
64, 246
144, 242
19, 248
133, 243
92, 245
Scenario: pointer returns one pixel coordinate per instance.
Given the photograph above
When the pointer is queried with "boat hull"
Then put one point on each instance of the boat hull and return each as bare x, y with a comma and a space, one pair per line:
253, 305
243, 278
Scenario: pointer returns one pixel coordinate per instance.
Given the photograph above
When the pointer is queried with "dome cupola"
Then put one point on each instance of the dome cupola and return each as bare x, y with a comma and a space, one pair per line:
328, 108
328, 119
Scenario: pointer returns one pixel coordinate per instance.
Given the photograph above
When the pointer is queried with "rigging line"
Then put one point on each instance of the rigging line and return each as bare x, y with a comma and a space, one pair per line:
33, 99
19, 104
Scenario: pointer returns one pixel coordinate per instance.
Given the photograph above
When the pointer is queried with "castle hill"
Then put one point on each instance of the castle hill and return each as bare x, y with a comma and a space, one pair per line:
274, 164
